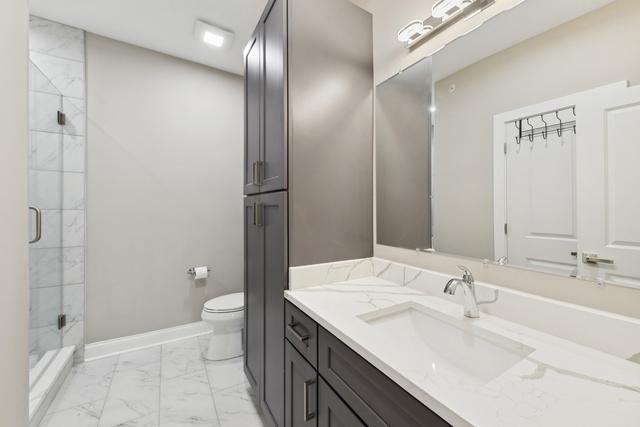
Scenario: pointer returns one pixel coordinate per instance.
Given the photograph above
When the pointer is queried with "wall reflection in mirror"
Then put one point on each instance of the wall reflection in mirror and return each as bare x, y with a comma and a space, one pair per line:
403, 129
535, 148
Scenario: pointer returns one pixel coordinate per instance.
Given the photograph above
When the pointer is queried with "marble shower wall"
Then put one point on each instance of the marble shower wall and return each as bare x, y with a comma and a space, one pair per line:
57, 184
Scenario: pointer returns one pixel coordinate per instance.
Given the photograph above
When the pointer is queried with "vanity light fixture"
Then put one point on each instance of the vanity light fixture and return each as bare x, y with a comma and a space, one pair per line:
413, 30
212, 35
445, 9
444, 13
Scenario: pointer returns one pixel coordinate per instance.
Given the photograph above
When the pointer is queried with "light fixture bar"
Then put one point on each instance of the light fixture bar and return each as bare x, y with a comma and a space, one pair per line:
449, 12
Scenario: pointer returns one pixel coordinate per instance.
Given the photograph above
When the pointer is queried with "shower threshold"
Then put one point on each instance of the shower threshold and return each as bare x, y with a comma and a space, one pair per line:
45, 379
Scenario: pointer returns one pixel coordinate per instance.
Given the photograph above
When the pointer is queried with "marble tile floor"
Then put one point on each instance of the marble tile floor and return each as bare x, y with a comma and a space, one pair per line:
167, 385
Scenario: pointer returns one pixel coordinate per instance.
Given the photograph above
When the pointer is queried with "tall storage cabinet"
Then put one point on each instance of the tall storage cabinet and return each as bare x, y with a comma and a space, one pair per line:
308, 181
265, 106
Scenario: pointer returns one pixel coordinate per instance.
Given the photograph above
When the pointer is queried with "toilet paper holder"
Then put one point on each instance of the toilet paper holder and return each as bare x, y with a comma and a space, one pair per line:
191, 271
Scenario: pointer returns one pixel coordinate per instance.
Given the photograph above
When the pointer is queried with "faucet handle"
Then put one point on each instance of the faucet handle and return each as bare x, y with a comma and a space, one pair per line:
467, 275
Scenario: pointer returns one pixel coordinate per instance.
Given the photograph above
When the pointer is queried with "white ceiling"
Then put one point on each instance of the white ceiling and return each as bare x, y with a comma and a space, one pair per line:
165, 26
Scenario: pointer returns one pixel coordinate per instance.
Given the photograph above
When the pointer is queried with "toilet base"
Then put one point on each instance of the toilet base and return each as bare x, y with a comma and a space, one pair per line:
223, 346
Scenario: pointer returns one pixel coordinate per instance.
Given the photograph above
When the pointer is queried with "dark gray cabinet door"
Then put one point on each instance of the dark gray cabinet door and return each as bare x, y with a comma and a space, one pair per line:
253, 292
301, 390
377, 399
274, 143
252, 113
273, 217
332, 411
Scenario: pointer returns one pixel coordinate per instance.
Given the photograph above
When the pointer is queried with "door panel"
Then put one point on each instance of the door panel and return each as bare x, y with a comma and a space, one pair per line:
274, 142
301, 390
541, 202
274, 219
608, 192
332, 411
254, 292
253, 120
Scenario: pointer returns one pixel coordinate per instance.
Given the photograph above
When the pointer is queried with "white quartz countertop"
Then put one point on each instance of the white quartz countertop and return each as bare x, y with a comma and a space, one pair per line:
559, 383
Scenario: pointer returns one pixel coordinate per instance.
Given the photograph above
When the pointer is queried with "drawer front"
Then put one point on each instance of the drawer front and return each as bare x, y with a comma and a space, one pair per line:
376, 399
302, 332
300, 391
332, 411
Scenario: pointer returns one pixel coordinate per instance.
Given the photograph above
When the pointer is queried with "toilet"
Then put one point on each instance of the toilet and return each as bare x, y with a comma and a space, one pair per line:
225, 316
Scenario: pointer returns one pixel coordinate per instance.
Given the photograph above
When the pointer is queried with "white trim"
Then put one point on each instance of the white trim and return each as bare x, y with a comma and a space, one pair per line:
101, 349
57, 364
499, 164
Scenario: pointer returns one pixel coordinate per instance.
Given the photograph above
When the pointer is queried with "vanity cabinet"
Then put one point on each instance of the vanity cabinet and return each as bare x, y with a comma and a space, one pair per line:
350, 391
332, 411
310, 401
301, 390
308, 179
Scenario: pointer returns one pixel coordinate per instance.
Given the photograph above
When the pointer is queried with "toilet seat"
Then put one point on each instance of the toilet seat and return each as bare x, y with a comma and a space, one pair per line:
230, 303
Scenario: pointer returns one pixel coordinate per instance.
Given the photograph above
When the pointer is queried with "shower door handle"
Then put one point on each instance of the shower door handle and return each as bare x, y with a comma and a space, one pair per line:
38, 224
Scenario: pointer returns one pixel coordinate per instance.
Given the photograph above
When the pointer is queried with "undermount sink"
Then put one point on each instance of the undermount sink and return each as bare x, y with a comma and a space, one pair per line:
446, 345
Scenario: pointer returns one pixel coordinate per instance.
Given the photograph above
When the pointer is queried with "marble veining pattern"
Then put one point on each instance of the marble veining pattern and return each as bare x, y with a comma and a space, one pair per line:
45, 151
318, 274
55, 39
560, 383
168, 385
67, 76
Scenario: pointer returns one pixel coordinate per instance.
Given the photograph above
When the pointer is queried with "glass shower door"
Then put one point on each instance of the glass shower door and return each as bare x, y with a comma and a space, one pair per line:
46, 255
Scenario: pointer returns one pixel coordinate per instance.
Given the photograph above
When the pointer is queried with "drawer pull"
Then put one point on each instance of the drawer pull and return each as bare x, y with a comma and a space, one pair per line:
305, 400
302, 338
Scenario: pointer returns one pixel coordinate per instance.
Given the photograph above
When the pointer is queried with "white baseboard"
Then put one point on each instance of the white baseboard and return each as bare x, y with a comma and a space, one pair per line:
101, 349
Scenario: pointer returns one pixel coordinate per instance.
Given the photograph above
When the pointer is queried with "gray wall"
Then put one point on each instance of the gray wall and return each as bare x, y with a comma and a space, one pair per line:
554, 64
330, 132
403, 145
164, 188
14, 22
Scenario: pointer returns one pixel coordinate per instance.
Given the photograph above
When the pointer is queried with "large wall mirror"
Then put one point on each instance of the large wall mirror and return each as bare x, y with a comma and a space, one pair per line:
534, 156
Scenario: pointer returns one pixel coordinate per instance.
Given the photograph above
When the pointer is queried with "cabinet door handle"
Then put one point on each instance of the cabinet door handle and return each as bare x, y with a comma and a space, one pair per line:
305, 400
254, 173
302, 338
255, 214
257, 172
259, 212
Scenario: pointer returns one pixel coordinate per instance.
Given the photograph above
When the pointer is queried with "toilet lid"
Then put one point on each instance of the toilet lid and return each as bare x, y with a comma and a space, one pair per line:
225, 303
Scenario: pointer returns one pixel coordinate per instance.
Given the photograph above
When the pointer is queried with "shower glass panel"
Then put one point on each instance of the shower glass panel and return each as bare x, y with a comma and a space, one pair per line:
46, 255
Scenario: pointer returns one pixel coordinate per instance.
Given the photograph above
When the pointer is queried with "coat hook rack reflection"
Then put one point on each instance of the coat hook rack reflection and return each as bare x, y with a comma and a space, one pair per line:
545, 132
547, 127
560, 122
531, 136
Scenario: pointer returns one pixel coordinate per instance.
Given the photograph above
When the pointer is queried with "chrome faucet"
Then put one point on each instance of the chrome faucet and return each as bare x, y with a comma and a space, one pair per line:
468, 288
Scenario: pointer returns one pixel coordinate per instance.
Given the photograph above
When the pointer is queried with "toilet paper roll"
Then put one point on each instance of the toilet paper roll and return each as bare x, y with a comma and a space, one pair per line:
201, 273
